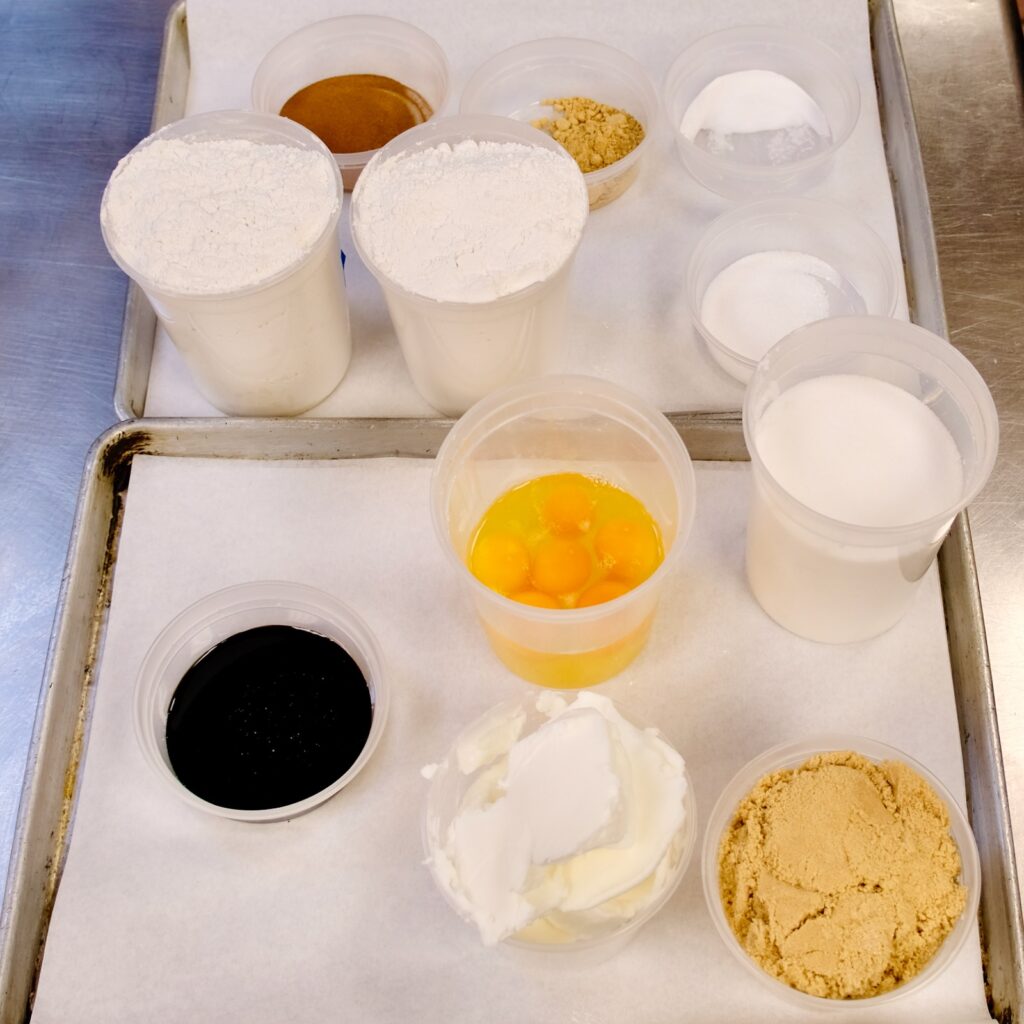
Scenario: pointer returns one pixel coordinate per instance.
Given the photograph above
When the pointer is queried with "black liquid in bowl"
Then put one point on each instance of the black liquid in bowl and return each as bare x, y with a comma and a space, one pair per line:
268, 717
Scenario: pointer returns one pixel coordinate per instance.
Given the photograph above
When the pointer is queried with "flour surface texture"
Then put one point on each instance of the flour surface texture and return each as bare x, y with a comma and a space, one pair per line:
470, 222
210, 216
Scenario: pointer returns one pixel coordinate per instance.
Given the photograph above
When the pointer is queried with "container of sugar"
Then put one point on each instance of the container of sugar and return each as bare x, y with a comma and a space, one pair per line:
228, 221
867, 436
470, 225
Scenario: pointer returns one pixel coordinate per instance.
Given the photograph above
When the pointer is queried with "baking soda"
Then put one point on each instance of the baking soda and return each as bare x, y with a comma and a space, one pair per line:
864, 453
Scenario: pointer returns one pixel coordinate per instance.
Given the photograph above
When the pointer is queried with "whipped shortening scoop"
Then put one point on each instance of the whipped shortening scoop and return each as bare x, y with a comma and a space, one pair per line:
554, 821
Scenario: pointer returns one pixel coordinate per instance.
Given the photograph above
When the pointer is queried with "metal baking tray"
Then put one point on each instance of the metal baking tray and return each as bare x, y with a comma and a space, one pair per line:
48, 799
899, 135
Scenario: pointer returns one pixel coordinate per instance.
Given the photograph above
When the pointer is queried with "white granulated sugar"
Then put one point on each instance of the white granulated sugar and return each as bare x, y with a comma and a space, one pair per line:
470, 222
203, 217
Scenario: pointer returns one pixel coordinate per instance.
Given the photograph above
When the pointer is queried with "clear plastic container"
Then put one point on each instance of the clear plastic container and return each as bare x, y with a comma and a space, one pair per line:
870, 275
607, 937
823, 578
275, 348
219, 615
457, 352
792, 755
358, 44
515, 82
758, 169
554, 425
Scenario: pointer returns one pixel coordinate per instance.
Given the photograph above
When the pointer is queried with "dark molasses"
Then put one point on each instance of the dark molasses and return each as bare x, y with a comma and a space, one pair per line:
268, 717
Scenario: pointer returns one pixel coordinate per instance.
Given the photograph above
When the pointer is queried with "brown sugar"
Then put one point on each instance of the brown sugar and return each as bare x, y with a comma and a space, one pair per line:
840, 877
356, 113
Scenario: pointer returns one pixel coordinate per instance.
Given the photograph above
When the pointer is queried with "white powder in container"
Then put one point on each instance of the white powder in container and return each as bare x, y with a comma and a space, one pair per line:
471, 221
234, 242
472, 241
757, 300
210, 216
783, 122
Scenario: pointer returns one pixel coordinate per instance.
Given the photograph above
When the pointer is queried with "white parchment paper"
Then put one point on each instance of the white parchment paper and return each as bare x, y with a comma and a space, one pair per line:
166, 914
628, 316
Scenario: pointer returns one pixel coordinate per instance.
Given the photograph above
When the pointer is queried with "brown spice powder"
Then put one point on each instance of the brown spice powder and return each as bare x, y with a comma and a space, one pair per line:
595, 134
840, 877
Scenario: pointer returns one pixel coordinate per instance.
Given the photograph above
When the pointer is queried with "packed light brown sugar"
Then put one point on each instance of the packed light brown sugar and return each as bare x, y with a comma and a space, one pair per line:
840, 877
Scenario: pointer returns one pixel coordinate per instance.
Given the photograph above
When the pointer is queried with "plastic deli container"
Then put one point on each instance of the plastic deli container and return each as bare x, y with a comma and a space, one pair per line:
275, 348
823, 578
553, 425
222, 614
869, 276
746, 168
604, 934
792, 755
457, 352
515, 82
352, 45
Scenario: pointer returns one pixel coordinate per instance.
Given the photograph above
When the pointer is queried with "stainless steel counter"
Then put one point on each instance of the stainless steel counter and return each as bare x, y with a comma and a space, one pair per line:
76, 92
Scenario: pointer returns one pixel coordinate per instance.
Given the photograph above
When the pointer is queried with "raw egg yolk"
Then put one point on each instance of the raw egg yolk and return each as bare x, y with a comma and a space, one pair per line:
561, 565
535, 598
567, 508
629, 548
606, 590
501, 562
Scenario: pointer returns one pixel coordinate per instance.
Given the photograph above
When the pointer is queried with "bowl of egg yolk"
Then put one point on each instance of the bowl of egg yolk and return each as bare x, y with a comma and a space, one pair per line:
563, 503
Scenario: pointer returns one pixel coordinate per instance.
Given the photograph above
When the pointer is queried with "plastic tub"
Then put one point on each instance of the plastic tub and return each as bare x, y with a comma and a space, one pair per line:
448, 789
514, 83
278, 347
457, 352
791, 755
219, 615
563, 424
752, 169
351, 45
826, 579
869, 275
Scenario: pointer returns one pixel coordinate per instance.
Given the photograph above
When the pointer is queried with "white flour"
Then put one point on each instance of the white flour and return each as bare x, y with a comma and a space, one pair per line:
470, 222
204, 217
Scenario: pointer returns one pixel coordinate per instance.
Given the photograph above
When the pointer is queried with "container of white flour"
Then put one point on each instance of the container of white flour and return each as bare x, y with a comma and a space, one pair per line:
767, 268
759, 110
470, 225
867, 436
229, 223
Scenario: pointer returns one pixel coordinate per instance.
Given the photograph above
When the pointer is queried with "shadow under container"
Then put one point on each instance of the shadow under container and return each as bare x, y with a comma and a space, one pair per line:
833, 581
869, 275
217, 617
812, 65
791, 756
458, 352
563, 424
357, 44
605, 938
274, 348
515, 82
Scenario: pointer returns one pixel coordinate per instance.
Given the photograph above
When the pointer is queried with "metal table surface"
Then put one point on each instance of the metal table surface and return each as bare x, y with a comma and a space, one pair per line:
76, 90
